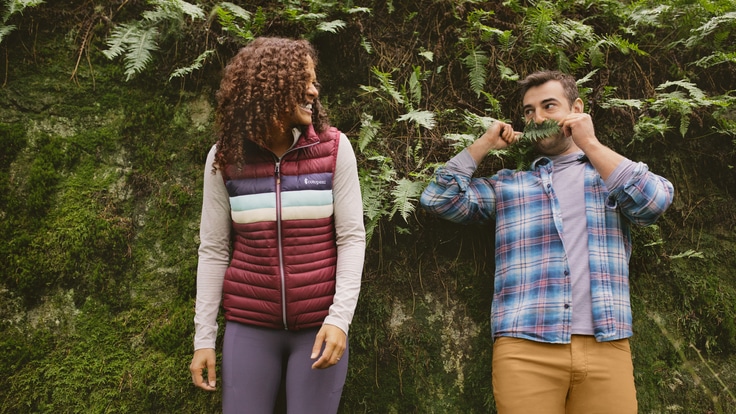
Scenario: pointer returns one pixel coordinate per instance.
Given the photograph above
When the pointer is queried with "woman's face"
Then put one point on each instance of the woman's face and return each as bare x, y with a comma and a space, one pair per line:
302, 114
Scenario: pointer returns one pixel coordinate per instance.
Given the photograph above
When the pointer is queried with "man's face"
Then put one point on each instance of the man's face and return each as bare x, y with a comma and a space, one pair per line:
548, 101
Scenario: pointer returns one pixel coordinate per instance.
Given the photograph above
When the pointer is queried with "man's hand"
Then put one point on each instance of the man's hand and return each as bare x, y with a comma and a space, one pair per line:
204, 359
579, 126
498, 136
334, 341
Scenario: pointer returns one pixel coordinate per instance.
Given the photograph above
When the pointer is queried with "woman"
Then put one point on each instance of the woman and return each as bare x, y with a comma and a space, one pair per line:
281, 191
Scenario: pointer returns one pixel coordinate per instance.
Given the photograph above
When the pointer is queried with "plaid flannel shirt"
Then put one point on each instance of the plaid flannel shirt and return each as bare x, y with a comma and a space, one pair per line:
532, 285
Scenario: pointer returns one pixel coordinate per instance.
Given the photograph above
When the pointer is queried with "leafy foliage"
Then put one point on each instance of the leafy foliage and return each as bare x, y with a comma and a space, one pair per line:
138, 40
476, 61
14, 7
136, 43
100, 183
534, 132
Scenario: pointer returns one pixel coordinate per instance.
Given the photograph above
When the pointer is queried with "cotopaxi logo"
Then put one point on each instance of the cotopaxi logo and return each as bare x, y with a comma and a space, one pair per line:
307, 181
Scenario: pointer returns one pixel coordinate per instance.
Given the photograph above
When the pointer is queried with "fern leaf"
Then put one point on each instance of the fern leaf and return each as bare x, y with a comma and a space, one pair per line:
332, 27
709, 27
427, 55
387, 84
172, 10
119, 39
481, 123
405, 194
354, 10
5, 30
476, 62
194, 66
712, 60
621, 103
17, 6
139, 54
692, 89
460, 141
507, 73
297, 15
191, 10
422, 118
368, 131
367, 46
236, 10
371, 193
415, 87
534, 132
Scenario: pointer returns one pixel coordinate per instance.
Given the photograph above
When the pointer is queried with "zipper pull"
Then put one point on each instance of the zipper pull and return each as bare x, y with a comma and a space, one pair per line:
277, 172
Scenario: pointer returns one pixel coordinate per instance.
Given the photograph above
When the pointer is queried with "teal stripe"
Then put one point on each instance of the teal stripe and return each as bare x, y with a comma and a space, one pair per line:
253, 201
306, 198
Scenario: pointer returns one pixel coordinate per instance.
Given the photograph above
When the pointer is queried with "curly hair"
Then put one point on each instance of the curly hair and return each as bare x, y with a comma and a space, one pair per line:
264, 80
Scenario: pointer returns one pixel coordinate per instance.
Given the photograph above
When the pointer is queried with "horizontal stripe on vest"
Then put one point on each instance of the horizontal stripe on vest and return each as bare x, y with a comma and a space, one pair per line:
304, 198
287, 213
251, 185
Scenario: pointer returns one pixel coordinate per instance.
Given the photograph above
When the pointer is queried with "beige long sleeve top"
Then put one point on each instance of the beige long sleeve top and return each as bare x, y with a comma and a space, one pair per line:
214, 248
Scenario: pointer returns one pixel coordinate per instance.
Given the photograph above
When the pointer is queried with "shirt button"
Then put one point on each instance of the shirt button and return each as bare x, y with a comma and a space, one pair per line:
567, 306
567, 273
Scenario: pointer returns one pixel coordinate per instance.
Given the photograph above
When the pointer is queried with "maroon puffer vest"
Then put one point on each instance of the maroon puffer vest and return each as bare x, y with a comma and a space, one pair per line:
282, 273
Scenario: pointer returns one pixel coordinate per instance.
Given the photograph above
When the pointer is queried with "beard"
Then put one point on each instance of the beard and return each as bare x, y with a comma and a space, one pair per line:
554, 145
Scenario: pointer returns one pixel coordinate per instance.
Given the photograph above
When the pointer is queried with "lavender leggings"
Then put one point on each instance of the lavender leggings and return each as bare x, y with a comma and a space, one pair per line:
253, 360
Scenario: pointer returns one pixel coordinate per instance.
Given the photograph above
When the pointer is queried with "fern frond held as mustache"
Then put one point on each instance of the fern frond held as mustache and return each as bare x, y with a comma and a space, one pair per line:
534, 132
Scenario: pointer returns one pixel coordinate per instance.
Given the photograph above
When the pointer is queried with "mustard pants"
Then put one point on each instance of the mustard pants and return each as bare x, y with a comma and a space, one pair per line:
583, 377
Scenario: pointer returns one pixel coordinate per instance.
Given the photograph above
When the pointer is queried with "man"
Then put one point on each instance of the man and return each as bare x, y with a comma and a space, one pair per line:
561, 313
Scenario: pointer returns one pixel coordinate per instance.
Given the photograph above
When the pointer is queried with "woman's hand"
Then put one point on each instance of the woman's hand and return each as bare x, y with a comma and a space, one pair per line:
334, 341
204, 359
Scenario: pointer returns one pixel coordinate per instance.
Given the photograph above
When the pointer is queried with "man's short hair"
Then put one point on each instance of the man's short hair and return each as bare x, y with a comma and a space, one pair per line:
543, 76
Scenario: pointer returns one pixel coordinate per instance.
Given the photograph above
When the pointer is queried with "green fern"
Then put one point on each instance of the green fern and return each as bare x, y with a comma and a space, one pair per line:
366, 44
415, 86
387, 85
354, 10
476, 62
534, 132
198, 63
374, 184
331, 27
677, 102
368, 130
422, 118
711, 26
5, 30
507, 73
137, 40
405, 196
172, 10
14, 7
135, 44
236, 20
716, 59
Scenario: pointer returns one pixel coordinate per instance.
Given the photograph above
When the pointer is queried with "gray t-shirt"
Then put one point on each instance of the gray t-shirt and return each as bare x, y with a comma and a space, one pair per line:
568, 183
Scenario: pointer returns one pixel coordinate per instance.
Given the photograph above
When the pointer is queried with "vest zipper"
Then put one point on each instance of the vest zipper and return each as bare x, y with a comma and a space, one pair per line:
277, 176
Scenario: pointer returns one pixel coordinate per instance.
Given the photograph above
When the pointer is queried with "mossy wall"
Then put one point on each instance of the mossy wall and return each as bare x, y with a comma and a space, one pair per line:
100, 185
